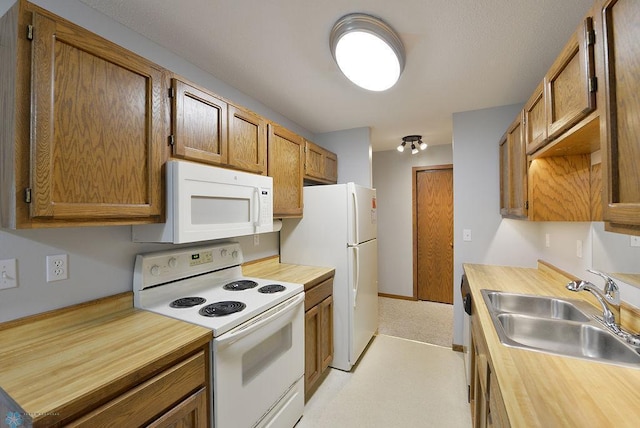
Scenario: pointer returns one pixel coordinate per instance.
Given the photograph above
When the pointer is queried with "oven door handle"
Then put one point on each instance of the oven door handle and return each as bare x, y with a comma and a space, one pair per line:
260, 320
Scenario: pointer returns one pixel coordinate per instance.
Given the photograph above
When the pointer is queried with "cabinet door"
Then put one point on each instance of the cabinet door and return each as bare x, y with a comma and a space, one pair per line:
326, 332
331, 167
190, 413
199, 124
97, 143
312, 334
286, 166
514, 176
247, 140
314, 161
570, 82
621, 146
535, 124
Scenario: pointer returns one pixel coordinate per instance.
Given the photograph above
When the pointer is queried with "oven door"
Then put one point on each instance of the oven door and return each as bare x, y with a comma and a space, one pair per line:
256, 364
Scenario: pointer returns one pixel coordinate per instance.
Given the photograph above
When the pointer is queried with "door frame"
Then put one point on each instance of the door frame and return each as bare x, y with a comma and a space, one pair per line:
414, 207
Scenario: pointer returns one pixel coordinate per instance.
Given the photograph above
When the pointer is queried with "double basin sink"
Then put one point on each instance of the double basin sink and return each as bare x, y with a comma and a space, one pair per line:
558, 326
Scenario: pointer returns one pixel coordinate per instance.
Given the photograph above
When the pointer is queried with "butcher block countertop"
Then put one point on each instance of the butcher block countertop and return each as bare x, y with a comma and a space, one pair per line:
271, 268
544, 390
62, 362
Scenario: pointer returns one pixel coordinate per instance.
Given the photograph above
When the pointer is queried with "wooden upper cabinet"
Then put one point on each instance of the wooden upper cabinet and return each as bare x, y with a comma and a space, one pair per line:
199, 124
247, 140
321, 165
286, 166
570, 83
535, 121
513, 174
620, 141
97, 128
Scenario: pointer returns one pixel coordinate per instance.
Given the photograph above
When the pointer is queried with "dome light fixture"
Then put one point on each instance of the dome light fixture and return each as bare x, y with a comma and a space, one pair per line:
368, 51
413, 139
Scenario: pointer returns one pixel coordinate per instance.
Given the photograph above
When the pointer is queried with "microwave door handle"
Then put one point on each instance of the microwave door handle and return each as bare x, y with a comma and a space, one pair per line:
256, 223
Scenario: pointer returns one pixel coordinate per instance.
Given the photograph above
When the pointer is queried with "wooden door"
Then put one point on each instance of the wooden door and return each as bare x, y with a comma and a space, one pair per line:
535, 124
433, 233
286, 166
97, 126
517, 170
247, 140
199, 124
312, 360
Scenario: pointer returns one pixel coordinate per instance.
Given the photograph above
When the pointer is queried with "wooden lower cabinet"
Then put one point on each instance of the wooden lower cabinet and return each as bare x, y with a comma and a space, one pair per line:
176, 397
487, 406
318, 334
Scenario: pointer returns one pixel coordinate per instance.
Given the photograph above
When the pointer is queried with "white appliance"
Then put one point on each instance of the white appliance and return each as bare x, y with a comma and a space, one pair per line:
206, 202
258, 330
339, 229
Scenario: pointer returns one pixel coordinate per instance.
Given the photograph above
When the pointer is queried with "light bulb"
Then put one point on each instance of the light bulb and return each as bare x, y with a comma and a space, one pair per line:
414, 150
401, 148
423, 145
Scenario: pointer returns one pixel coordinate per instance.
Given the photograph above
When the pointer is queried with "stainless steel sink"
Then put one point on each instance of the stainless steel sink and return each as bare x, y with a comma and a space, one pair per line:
575, 339
539, 306
557, 326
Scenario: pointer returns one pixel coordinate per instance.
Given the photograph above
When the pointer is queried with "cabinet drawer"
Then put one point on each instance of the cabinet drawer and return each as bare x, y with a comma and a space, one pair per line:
318, 293
152, 398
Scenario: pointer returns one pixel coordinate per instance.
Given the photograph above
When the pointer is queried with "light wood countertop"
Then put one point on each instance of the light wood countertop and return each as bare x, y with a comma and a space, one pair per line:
271, 268
543, 390
56, 364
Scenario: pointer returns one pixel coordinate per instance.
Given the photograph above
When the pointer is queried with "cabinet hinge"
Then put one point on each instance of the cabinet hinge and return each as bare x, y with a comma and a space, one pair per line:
172, 140
593, 84
171, 93
589, 32
526, 205
27, 195
29, 32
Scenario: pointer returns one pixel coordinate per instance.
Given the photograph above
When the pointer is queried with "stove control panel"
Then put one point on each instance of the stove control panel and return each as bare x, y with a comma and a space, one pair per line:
165, 266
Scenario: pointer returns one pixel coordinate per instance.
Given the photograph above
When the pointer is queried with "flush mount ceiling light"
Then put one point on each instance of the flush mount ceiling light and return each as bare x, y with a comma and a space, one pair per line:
413, 139
368, 51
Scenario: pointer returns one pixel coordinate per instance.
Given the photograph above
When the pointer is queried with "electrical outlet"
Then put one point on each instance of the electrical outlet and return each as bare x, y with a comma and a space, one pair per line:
8, 278
57, 267
256, 240
579, 248
634, 241
466, 234
547, 240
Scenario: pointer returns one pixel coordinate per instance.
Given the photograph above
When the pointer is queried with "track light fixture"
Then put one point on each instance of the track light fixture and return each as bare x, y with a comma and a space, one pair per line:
413, 139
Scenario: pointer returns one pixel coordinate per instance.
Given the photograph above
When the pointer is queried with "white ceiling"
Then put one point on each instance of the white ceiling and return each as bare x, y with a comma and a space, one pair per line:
461, 55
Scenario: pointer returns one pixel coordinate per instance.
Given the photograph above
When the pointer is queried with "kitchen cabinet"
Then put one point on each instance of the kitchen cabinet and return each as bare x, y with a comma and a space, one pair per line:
83, 129
286, 165
570, 84
199, 124
513, 172
535, 120
487, 406
321, 165
318, 334
247, 140
620, 144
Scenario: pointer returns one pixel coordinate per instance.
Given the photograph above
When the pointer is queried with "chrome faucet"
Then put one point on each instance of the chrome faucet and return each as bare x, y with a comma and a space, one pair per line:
609, 299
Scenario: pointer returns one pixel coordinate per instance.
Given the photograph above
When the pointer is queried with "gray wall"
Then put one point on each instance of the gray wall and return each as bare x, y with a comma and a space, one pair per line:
392, 175
353, 147
101, 259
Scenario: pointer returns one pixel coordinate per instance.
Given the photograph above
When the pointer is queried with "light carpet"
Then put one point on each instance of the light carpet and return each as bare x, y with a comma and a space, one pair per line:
397, 383
427, 322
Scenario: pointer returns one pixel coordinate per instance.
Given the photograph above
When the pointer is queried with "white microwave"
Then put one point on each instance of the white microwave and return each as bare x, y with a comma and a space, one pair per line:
206, 202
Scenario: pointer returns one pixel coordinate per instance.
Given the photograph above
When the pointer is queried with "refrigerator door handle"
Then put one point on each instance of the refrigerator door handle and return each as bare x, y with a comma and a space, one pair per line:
356, 217
356, 269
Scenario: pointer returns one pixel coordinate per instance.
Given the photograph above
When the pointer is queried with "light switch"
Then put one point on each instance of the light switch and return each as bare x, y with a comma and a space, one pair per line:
579, 248
8, 278
634, 241
466, 234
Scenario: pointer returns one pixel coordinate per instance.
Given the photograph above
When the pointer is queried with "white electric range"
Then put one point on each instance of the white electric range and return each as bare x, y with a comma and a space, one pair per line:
258, 328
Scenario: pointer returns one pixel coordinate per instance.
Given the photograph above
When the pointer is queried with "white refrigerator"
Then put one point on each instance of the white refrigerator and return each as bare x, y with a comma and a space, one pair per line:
339, 229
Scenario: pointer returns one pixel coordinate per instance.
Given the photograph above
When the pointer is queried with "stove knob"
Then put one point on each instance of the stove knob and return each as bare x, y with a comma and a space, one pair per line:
173, 262
234, 254
223, 253
155, 270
